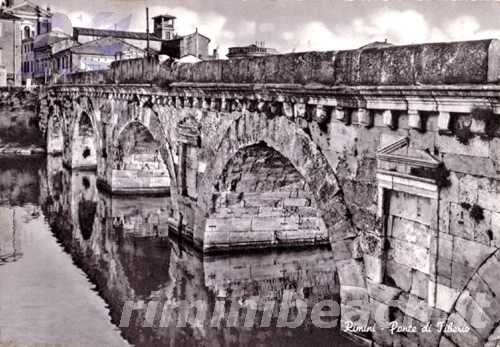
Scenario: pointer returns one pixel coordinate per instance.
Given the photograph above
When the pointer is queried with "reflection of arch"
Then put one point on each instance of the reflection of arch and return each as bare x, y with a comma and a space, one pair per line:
145, 263
299, 149
478, 307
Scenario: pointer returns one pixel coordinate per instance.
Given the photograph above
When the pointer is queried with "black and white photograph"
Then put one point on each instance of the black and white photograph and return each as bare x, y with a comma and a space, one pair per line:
225, 173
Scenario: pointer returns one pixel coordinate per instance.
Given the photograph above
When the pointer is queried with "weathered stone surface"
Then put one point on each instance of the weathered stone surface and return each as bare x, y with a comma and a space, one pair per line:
477, 147
350, 273
410, 255
470, 165
470, 253
489, 273
419, 284
469, 339
373, 267
382, 293
485, 298
399, 275
471, 311
445, 296
411, 232
411, 207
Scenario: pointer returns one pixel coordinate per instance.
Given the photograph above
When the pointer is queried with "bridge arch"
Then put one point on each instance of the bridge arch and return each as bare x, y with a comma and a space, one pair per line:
124, 114
85, 141
253, 135
292, 143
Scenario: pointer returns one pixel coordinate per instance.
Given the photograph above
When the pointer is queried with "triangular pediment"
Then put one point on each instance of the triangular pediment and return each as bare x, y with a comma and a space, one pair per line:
399, 153
401, 167
28, 8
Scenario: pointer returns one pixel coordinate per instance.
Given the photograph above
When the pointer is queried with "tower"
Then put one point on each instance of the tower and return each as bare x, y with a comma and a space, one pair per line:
164, 26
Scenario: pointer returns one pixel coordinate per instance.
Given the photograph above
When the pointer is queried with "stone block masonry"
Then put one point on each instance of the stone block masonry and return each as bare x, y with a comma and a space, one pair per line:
388, 154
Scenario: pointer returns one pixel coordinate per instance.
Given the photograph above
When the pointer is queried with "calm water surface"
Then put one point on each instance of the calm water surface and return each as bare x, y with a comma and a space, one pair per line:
72, 257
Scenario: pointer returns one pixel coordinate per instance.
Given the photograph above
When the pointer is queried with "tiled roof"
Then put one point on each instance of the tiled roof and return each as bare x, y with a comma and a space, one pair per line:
47, 39
131, 35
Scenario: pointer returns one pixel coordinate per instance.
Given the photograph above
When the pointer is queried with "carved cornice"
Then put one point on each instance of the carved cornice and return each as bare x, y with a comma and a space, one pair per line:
312, 102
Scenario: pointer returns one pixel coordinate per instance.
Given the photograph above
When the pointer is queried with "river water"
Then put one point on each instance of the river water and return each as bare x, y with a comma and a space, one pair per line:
82, 268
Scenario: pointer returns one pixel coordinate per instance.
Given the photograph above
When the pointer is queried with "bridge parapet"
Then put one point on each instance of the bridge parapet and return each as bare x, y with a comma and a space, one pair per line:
465, 62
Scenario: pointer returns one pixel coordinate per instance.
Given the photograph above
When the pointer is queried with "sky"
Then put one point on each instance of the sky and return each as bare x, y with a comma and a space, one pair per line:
294, 25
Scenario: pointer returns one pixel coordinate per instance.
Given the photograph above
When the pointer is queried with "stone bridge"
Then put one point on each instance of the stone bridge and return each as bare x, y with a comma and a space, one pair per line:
391, 155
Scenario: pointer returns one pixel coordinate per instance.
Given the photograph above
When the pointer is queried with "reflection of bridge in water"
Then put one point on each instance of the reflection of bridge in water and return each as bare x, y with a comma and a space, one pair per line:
129, 258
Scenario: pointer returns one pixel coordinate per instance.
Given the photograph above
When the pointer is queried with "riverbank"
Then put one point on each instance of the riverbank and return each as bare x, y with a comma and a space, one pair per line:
11, 150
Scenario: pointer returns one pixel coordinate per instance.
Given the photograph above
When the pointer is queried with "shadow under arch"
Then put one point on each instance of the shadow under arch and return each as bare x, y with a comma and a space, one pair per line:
137, 162
262, 201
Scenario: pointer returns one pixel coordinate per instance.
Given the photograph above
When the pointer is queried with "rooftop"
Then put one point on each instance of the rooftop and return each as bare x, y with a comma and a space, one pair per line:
166, 16
47, 39
106, 46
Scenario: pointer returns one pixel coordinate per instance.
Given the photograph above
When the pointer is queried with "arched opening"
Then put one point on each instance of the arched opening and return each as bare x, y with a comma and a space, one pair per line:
138, 165
84, 149
261, 200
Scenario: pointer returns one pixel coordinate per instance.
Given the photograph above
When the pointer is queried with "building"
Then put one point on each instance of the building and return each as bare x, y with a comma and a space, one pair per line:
10, 39
253, 50
162, 41
164, 27
176, 46
194, 44
45, 46
20, 22
94, 55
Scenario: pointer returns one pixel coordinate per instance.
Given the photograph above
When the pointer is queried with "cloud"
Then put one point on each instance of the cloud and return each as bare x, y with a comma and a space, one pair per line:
398, 27
468, 28
227, 25
80, 19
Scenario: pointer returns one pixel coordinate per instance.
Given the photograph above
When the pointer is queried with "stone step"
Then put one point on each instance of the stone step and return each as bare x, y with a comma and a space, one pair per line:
232, 198
266, 211
252, 224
